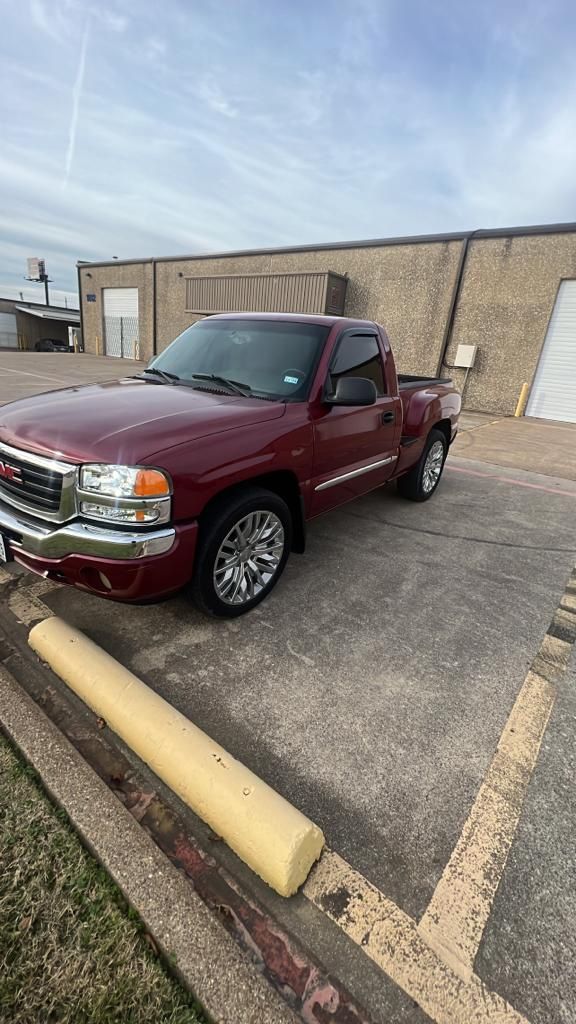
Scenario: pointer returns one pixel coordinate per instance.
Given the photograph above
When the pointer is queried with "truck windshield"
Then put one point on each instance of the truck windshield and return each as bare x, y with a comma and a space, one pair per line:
269, 358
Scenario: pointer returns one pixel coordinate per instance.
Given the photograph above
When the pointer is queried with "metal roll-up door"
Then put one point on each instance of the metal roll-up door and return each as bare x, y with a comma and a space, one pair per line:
553, 394
8, 331
121, 336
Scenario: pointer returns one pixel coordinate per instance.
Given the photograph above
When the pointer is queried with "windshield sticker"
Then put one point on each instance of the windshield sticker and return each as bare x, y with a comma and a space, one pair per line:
290, 380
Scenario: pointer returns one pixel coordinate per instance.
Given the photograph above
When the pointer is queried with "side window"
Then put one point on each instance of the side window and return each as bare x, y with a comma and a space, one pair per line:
358, 355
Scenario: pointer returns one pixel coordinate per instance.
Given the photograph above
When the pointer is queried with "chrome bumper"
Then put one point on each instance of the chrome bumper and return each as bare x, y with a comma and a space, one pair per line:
47, 541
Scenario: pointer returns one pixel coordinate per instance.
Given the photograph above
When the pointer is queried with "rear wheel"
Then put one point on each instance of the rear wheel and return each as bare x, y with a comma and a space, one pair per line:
242, 553
421, 482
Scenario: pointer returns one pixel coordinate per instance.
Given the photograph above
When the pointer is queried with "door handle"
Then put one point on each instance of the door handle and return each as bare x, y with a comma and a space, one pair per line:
388, 417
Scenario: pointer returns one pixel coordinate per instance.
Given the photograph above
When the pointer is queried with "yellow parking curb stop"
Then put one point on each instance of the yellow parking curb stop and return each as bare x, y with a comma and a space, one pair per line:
277, 841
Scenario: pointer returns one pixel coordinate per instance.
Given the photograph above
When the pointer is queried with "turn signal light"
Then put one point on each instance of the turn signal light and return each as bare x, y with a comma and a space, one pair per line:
150, 483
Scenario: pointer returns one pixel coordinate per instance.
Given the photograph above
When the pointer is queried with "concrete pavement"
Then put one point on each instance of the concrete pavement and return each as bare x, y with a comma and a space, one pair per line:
372, 689
538, 446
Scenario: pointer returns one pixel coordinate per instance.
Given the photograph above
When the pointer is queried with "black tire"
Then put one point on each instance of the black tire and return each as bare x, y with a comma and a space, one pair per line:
413, 485
221, 520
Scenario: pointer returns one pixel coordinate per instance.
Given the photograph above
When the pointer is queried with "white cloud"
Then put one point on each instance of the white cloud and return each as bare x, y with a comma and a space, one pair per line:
42, 19
112, 19
211, 93
219, 133
154, 48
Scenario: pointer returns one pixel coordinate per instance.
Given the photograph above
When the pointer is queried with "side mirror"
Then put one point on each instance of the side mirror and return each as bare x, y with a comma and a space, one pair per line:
353, 391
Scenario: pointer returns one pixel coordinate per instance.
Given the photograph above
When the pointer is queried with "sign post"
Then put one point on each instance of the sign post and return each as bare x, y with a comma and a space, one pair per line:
37, 272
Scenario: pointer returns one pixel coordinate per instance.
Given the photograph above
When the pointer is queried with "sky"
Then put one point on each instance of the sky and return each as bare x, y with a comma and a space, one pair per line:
137, 128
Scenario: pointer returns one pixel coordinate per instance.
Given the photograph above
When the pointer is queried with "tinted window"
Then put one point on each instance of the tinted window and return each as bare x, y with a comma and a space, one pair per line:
358, 355
274, 358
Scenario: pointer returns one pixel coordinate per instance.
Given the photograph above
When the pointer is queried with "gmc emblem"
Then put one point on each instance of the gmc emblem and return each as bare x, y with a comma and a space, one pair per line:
10, 473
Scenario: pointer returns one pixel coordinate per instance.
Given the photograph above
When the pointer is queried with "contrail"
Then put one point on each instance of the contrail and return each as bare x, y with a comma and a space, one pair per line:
76, 96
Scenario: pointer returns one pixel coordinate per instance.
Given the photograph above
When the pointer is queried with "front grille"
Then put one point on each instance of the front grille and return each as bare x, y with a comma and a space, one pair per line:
44, 487
38, 486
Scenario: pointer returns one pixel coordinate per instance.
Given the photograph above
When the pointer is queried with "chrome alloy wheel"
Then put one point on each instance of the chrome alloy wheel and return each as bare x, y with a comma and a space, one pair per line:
433, 467
248, 557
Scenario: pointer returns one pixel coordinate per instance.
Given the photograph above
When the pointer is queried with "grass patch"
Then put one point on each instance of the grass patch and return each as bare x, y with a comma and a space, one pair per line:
71, 950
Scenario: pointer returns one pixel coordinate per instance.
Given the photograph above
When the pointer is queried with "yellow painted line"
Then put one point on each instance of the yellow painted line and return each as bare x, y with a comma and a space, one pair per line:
456, 916
459, 909
392, 940
270, 835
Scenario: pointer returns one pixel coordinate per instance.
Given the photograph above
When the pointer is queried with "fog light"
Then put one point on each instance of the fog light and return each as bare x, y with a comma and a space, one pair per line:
150, 514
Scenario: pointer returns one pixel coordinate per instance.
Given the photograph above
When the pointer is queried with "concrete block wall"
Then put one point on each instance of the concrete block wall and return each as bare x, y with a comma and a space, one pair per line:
508, 291
407, 288
507, 297
93, 279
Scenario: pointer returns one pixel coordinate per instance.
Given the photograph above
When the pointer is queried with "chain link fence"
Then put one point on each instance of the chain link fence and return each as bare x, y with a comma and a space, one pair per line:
121, 337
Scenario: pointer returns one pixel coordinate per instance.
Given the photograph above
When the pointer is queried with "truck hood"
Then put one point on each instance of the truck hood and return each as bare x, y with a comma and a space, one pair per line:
124, 421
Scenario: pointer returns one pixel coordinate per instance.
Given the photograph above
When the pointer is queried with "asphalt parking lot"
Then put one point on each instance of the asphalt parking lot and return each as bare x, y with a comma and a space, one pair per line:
30, 373
371, 689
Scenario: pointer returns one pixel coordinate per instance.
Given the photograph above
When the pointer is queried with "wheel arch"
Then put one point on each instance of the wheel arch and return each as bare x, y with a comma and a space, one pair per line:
285, 484
445, 427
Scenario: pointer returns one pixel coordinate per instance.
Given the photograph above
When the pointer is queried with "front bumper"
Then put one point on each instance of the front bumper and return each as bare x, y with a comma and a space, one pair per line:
115, 564
48, 540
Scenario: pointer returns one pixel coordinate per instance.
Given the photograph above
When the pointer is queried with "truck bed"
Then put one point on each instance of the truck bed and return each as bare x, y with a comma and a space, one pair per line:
408, 380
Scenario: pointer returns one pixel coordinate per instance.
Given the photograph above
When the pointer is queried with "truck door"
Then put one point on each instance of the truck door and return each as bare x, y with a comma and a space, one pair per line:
355, 447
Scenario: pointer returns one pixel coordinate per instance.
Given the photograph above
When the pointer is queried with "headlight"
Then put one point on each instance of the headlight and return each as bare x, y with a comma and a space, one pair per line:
124, 481
124, 494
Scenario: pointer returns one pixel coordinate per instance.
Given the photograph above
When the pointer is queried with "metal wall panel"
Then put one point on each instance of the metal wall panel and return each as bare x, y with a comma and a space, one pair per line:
553, 394
267, 293
8, 331
553, 390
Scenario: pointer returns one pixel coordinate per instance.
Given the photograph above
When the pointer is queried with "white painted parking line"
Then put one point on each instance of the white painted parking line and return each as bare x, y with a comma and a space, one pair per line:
28, 373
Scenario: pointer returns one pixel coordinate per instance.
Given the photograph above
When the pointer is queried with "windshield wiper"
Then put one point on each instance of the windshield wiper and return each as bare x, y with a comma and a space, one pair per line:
234, 385
170, 378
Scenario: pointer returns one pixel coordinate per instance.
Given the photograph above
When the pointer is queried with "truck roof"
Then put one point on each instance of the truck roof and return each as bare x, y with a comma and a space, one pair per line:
303, 318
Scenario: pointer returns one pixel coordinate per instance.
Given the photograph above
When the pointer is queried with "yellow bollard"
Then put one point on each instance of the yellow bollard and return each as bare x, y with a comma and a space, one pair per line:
523, 398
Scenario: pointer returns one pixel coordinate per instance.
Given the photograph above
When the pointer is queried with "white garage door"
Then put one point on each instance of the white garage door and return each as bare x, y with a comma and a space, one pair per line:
553, 394
121, 322
8, 332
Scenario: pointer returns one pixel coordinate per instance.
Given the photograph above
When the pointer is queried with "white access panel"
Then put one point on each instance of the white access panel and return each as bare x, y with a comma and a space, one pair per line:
8, 331
553, 394
466, 356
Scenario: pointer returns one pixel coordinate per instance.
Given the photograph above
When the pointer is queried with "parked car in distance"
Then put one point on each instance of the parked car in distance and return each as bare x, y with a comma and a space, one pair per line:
203, 470
51, 345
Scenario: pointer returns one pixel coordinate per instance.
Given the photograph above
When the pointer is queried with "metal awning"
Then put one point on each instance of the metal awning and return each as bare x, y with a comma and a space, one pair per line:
67, 316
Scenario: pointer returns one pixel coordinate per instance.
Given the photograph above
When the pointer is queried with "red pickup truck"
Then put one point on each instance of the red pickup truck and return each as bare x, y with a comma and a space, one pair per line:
203, 469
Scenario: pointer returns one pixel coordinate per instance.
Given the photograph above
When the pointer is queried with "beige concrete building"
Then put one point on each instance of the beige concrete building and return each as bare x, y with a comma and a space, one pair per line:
504, 299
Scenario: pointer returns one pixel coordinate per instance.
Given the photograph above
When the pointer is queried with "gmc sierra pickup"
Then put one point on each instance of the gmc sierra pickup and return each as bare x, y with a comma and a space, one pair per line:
203, 469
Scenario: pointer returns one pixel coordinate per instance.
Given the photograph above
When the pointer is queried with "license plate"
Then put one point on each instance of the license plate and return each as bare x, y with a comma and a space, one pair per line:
4, 553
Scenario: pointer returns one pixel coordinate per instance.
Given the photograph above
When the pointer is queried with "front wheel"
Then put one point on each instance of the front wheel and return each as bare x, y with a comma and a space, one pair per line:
421, 482
242, 554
